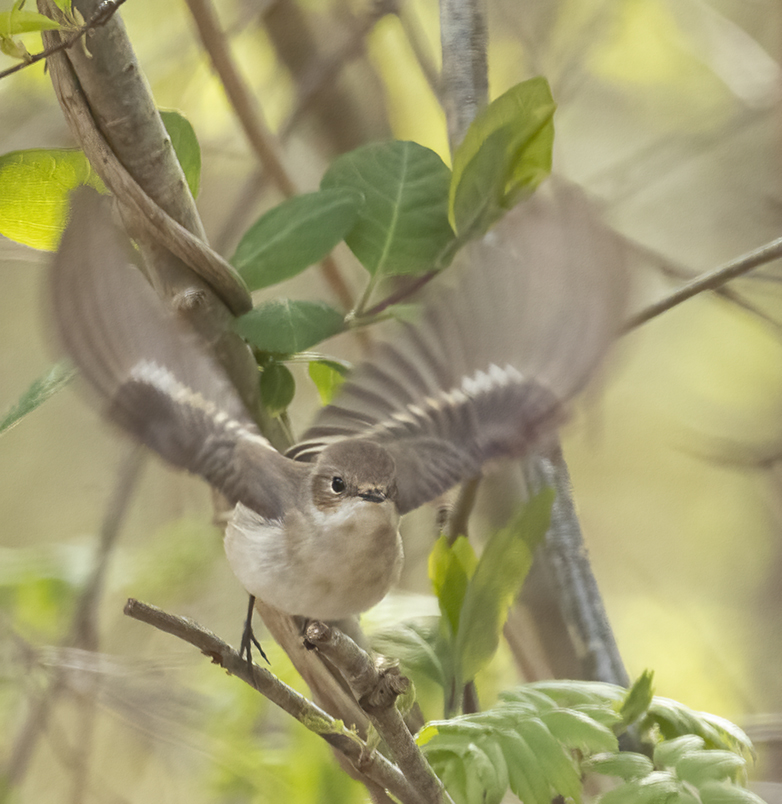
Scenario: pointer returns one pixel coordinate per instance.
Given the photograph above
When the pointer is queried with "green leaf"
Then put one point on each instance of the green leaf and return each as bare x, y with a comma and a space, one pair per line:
638, 699
18, 22
525, 772
626, 765
504, 156
287, 326
726, 793
413, 643
294, 235
186, 147
700, 767
35, 199
58, 376
674, 719
403, 226
277, 388
553, 758
328, 376
502, 568
450, 569
577, 730
656, 788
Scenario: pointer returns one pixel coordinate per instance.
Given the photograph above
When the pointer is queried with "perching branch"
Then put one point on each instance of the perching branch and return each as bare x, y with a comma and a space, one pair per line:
377, 690
370, 763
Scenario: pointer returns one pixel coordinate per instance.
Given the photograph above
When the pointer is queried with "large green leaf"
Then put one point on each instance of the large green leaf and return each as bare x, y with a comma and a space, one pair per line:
505, 155
186, 146
294, 235
34, 189
504, 564
403, 226
58, 376
287, 326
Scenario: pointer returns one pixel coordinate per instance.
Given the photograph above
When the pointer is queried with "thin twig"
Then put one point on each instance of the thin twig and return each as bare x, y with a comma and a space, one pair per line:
672, 269
371, 764
327, 69
415, 39
261, 139
711, 280
101, 16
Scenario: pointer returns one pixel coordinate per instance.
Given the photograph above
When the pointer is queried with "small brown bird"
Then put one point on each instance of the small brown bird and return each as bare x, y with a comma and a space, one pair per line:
480, 376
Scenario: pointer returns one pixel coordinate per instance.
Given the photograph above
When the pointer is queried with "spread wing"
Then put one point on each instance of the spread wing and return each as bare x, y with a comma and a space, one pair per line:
152, 371
487, 368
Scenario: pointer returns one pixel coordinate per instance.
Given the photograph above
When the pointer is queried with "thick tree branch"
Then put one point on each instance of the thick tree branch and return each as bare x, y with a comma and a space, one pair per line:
465, 87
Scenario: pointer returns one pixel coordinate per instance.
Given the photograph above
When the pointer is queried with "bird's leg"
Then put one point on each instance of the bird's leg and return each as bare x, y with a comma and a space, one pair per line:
248, 637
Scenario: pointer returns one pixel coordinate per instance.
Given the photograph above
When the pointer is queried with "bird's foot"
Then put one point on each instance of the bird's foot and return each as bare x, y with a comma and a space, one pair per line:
248, 638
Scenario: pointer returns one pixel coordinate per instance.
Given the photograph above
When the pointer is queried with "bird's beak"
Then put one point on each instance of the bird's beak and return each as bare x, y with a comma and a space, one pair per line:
372, 496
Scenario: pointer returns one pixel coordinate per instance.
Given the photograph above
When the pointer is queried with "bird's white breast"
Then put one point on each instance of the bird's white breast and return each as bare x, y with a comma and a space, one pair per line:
323, 564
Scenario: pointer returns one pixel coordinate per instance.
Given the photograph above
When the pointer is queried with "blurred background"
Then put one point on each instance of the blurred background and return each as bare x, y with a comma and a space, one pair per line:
669, 115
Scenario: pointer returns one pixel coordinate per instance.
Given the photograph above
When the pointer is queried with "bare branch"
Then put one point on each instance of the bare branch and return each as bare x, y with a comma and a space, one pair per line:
371, 764
249, 114
712, 280
578, 592
377, 690
465, 75
465, 90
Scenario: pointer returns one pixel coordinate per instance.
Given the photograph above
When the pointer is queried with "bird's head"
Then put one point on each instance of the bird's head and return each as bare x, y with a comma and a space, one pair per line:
353, 469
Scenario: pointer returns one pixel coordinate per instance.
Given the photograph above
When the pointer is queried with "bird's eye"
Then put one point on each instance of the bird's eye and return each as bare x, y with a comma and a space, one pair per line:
337, 484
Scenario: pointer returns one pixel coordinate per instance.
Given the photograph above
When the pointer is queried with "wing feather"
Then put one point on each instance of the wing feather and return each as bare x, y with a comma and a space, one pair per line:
485, 372
154, 374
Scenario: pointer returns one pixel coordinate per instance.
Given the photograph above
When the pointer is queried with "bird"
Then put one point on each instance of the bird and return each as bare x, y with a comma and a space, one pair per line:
501, 344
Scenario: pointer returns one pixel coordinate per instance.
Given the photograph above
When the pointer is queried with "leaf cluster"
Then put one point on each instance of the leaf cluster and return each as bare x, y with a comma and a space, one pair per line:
542, 739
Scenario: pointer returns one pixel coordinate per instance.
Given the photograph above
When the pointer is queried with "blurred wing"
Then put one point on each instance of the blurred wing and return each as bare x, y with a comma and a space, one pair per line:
487, 368
154, 373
